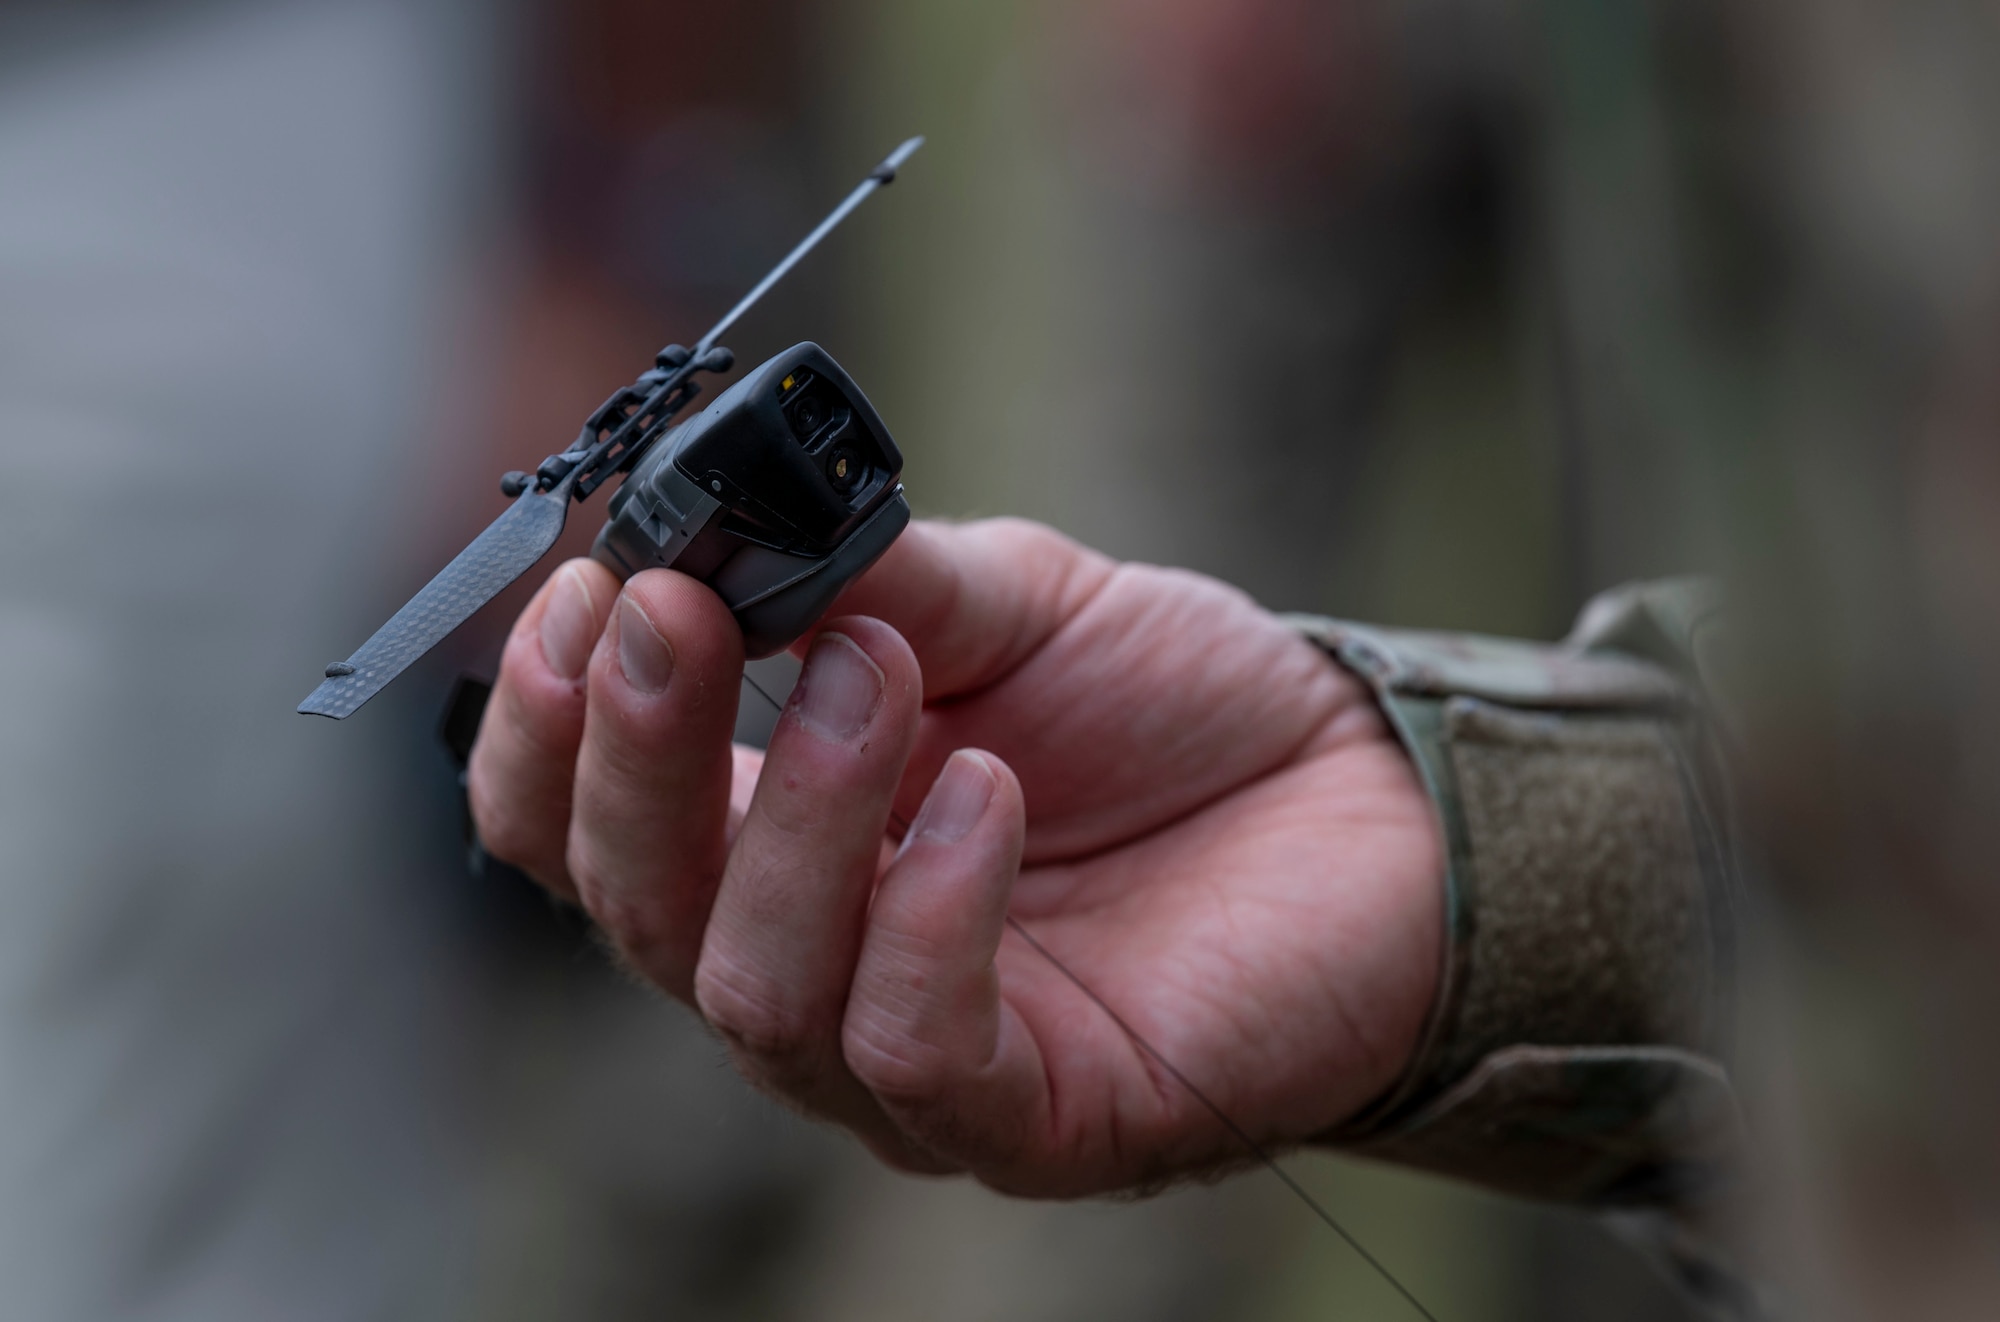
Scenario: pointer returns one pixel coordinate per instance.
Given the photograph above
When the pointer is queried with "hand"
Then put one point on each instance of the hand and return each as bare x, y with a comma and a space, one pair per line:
1188, 805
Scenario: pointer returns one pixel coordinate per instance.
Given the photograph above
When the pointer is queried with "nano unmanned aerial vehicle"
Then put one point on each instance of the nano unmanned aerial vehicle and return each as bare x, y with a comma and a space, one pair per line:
775, 495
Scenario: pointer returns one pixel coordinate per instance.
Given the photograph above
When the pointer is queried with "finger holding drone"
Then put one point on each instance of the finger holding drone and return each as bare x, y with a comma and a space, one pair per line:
518, 779
648, 834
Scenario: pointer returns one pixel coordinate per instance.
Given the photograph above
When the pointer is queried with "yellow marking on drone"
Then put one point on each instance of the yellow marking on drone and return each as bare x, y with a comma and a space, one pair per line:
786, 384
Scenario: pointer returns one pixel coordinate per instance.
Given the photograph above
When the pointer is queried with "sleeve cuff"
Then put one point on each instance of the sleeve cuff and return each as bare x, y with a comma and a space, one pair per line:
1576, 1048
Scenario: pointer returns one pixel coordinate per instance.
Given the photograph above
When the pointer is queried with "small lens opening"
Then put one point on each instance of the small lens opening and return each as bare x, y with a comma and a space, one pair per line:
845, 469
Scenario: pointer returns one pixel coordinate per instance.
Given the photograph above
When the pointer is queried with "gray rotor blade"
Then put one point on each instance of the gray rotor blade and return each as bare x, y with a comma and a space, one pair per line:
508, 548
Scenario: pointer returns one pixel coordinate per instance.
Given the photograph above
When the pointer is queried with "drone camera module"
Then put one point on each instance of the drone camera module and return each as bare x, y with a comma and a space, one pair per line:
775, 495
814, 410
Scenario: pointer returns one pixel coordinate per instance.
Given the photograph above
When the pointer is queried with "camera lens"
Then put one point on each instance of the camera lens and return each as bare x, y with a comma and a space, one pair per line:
845, 469
808, 416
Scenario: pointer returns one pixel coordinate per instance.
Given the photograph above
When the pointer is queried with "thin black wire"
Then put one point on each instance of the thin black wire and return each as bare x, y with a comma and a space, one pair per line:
1250, 1145
1242, 1136
776, 706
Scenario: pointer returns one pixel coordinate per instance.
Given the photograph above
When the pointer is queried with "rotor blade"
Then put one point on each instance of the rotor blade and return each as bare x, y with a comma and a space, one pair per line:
882, 175
508, 548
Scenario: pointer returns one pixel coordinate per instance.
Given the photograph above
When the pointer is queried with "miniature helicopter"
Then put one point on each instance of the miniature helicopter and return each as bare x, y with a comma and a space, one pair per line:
776, 495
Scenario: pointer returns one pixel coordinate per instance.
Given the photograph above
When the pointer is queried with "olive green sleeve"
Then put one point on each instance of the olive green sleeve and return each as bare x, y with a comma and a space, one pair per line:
1577, 1047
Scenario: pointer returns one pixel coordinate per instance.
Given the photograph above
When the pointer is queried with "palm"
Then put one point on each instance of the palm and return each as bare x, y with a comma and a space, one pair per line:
1223, 843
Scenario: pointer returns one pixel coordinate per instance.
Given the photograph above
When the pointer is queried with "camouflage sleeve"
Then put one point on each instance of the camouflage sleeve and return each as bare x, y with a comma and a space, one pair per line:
1577, 1050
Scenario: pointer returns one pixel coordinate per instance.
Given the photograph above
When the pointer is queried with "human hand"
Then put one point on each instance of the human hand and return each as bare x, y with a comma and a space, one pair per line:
1184, 802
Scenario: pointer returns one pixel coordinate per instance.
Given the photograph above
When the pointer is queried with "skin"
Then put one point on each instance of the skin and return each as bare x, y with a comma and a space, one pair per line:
1188, 805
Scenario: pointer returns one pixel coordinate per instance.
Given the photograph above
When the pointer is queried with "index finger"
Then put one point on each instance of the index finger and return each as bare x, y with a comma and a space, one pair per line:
518, 778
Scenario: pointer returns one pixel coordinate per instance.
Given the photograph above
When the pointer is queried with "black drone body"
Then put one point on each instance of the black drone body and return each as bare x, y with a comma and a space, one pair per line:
776, 495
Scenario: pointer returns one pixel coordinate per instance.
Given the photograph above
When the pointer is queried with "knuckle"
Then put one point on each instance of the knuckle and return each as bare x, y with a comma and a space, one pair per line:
504, 835
1029, 542
754, 1016
632, 927
638, 936
510, 839
590, 879
508, 844
890, 1063
802, 808
770, 872
1024, 534
640, 925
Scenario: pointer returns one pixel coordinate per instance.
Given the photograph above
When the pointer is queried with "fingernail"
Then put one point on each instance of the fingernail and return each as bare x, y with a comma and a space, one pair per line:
957, 799
569, 625
840, 689
644, 656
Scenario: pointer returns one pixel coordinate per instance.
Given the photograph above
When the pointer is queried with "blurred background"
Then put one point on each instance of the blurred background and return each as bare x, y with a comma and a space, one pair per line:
1439, 312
